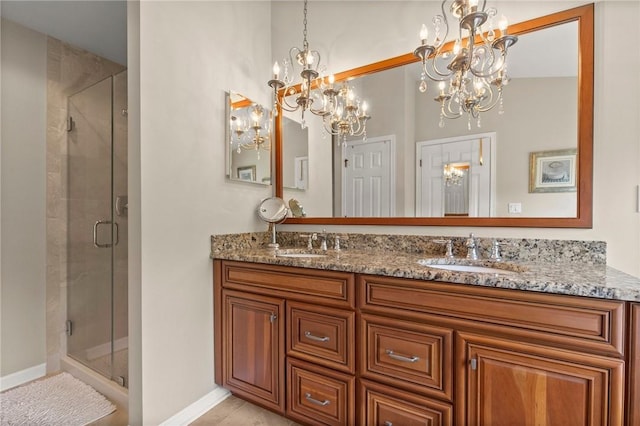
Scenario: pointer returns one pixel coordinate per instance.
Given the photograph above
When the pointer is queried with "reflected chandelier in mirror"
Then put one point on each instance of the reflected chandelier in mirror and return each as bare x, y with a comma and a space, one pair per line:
248, 140
324, 203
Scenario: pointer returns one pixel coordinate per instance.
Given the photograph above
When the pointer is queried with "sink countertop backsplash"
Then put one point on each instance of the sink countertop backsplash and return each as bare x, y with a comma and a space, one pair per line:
514, 249
550, 266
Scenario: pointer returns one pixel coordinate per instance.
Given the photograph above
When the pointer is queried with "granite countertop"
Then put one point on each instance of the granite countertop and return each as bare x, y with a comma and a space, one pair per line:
569, 278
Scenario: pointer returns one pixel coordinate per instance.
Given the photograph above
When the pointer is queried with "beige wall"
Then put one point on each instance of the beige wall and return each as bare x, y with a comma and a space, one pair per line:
546, 121
23, 198
190, 55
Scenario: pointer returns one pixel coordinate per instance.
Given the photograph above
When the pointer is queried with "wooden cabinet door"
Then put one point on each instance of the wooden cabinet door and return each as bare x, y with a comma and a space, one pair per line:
510, 383
633, 409
253, 348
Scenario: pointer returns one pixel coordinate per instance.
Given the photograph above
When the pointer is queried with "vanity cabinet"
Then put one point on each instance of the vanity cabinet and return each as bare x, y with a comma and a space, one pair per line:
517, 356
285, 339
503, 382
335, 348
253, 329
633, 400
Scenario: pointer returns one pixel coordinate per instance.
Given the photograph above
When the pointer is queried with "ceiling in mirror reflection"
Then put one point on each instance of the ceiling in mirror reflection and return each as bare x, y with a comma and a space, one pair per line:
540, 114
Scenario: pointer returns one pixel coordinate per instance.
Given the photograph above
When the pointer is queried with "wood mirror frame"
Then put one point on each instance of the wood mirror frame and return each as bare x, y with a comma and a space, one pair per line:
584, 16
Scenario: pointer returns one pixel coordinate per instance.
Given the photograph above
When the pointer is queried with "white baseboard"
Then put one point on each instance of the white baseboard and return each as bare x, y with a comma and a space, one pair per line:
23, 376
198, 408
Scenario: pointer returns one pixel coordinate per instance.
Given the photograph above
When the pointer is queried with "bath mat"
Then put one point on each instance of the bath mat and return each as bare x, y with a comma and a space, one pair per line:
60, 400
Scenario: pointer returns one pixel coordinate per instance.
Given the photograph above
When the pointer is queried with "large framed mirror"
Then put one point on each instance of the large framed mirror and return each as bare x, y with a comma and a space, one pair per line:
248, 140
453, 176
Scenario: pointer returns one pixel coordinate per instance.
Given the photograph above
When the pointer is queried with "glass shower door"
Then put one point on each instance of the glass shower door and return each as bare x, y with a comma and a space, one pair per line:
91, 232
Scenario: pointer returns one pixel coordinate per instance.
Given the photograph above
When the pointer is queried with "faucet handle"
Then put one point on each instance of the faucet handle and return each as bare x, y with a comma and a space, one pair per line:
495, 249
336, 241
449, 247
310, 239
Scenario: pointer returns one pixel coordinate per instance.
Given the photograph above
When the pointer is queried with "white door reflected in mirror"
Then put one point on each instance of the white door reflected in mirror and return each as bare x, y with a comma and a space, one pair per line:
456, 176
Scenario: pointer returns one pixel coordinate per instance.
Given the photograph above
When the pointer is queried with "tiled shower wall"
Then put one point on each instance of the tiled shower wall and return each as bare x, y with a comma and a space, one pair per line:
69, 70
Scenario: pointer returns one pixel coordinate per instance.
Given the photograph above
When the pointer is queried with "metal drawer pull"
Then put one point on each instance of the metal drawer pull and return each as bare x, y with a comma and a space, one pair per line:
310, 336
388, 423
315, 401
401, 357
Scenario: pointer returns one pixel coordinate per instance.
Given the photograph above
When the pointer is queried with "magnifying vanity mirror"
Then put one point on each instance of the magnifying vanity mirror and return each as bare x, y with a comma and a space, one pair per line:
453, 175
248, 140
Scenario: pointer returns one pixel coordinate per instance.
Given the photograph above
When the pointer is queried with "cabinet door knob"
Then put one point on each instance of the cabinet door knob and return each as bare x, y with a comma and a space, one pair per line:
474, 364
388, 423
402, 358
310, 336
273, 318
309, 398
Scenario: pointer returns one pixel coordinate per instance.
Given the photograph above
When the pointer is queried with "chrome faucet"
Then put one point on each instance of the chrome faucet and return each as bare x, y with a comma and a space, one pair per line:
472, 247
323, 243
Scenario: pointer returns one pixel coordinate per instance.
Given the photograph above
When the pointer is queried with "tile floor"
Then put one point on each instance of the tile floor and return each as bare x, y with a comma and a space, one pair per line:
230, 412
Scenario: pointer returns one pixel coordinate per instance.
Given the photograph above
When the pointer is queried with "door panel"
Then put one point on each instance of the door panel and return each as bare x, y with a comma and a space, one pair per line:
368, 178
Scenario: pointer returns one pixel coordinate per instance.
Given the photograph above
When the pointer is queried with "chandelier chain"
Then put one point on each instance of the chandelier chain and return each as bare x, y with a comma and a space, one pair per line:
305, 43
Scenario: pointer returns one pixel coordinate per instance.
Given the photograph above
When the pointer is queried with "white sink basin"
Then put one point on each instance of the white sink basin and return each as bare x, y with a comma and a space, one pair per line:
300, 255
470, 268
466, 268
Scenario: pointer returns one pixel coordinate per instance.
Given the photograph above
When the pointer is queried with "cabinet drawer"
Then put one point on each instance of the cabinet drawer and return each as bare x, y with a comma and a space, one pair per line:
319, 396
595, 325
322, 335
313, 285
416, 357
384, 406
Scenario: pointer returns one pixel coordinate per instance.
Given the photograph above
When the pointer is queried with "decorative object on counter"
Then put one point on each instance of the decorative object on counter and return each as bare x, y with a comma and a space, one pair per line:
273, 210
471, 76
552, 171
296, 208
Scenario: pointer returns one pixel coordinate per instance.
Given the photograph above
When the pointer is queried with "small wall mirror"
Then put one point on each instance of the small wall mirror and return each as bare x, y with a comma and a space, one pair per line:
248, 140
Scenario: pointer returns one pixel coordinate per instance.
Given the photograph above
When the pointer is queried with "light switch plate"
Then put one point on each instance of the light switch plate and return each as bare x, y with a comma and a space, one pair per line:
515, 208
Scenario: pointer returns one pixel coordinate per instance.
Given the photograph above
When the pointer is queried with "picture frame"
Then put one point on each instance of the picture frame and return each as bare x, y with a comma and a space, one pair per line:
552, 171
247, 173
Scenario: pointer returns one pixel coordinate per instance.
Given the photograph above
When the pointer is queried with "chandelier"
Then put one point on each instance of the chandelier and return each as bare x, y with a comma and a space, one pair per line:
250, 132
344, 115
342, 112
472, 75
452, 175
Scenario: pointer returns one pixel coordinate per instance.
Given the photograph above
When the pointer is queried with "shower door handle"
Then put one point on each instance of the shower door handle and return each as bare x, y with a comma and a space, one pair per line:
95, 233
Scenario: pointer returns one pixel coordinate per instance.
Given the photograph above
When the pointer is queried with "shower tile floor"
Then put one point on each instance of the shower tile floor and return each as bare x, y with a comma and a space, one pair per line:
120, 363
